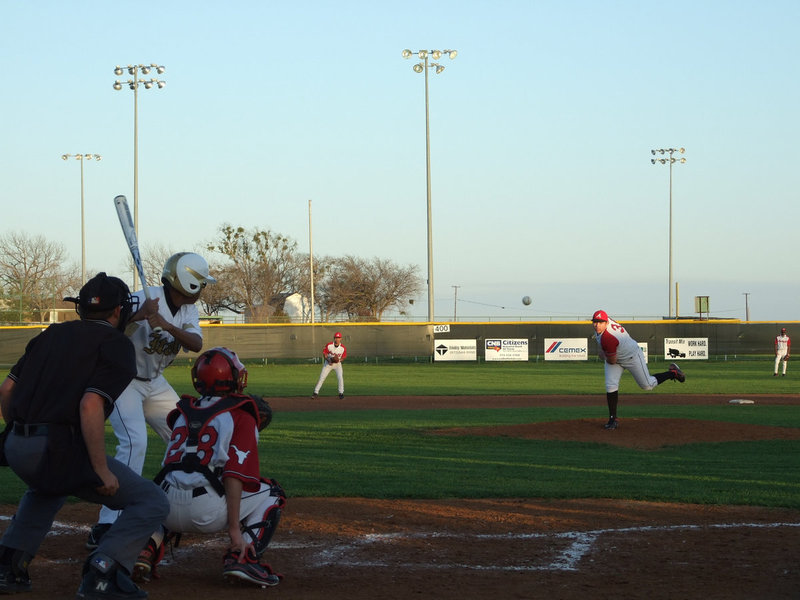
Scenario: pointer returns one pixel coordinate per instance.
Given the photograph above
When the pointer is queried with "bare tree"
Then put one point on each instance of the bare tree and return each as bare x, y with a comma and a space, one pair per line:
153, 259
33, 271
365, 289
302, 269
259, 271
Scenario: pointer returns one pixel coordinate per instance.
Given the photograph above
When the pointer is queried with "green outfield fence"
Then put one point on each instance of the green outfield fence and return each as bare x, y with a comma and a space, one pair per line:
415, 341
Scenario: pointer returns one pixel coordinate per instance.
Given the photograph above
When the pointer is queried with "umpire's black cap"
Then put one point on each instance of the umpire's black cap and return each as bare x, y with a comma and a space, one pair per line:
101, 293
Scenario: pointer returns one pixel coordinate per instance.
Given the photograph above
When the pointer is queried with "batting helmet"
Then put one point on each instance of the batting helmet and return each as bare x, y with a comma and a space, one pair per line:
187, 272
219, 371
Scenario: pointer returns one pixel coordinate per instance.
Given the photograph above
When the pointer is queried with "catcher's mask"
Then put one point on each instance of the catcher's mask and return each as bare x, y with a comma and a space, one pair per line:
187, 272
219, 371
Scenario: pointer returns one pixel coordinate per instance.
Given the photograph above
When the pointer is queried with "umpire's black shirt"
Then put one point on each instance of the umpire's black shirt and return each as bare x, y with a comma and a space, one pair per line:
65, 361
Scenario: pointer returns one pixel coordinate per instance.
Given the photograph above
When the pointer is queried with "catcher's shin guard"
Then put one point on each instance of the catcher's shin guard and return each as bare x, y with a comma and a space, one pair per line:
261, 533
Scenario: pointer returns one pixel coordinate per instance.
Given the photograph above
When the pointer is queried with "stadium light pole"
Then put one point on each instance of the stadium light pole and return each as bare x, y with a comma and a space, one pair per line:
670, 161
82, 157
422, 67
134, 84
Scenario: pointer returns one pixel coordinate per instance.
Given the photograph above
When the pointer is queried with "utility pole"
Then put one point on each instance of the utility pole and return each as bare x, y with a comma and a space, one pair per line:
746, 305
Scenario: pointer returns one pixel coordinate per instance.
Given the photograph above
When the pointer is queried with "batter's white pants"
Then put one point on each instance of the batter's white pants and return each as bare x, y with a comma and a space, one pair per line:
142, 403
326, 368
778, 359
638, 369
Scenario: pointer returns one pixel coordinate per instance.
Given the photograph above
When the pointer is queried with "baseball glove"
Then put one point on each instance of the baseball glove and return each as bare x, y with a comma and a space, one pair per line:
264, 412
333, 358
786, 358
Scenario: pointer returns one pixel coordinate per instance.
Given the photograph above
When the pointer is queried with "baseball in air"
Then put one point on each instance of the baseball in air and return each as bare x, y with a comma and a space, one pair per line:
526, 300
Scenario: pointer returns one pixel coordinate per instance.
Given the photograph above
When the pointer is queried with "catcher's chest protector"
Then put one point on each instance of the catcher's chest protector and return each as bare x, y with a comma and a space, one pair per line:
197, 420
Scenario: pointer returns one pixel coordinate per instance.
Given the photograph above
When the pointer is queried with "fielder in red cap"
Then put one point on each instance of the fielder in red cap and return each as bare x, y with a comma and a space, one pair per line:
332, 356
619, 351
783, 345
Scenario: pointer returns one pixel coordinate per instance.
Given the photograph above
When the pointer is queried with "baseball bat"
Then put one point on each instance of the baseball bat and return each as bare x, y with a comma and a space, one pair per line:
128, 230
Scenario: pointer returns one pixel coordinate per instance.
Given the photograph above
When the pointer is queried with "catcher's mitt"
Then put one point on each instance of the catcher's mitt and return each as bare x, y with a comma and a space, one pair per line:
264, 412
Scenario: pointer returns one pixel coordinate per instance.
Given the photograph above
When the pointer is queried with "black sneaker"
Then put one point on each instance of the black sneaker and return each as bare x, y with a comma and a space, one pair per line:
104, 580
677, 373
98, 531
314, 396
250, 571
613, 423
14, 578
341, 396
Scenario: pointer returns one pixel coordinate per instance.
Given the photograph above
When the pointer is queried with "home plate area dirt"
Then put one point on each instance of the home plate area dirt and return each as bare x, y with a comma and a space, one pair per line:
354, 548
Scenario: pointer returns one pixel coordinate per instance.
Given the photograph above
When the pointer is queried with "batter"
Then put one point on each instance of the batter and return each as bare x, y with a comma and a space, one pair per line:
149, 398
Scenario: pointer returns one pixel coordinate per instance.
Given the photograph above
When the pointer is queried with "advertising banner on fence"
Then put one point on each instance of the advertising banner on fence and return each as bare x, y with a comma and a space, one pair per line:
566, 349
506, 349
643, 346
686, 348
455, 350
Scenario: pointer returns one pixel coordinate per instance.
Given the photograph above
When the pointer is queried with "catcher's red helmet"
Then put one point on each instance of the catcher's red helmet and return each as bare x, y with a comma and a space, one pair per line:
219, 371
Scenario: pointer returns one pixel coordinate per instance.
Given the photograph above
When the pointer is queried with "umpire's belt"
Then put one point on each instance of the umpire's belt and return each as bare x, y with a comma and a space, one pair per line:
30, 429
198, 491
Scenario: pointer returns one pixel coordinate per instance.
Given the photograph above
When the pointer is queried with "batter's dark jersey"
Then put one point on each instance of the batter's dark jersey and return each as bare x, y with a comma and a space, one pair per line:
65, 361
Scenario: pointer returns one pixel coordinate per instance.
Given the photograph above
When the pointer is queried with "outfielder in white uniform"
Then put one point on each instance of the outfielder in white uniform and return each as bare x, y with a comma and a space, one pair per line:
211, 472
783, 346
333, 353
149, 398
620, 351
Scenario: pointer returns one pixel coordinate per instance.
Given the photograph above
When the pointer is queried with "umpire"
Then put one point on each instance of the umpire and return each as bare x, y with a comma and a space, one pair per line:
55, 401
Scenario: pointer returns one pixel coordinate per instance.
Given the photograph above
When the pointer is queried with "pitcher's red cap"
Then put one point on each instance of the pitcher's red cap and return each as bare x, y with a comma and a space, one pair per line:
337, 334
599, 315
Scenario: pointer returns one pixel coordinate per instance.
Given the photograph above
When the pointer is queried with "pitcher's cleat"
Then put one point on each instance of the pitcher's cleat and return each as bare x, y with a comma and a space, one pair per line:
677, 373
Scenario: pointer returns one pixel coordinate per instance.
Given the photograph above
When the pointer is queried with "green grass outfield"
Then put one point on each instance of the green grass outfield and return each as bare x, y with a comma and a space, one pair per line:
505, 378
391, 454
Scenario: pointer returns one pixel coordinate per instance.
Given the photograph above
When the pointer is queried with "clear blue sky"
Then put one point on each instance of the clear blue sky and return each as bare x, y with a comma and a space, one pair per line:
541, 131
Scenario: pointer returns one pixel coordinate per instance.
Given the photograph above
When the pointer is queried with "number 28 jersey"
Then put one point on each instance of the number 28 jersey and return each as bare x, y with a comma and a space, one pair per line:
228, 445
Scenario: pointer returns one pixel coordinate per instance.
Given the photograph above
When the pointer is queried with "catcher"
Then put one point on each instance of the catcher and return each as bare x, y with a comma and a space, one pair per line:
332, 356
211, 472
